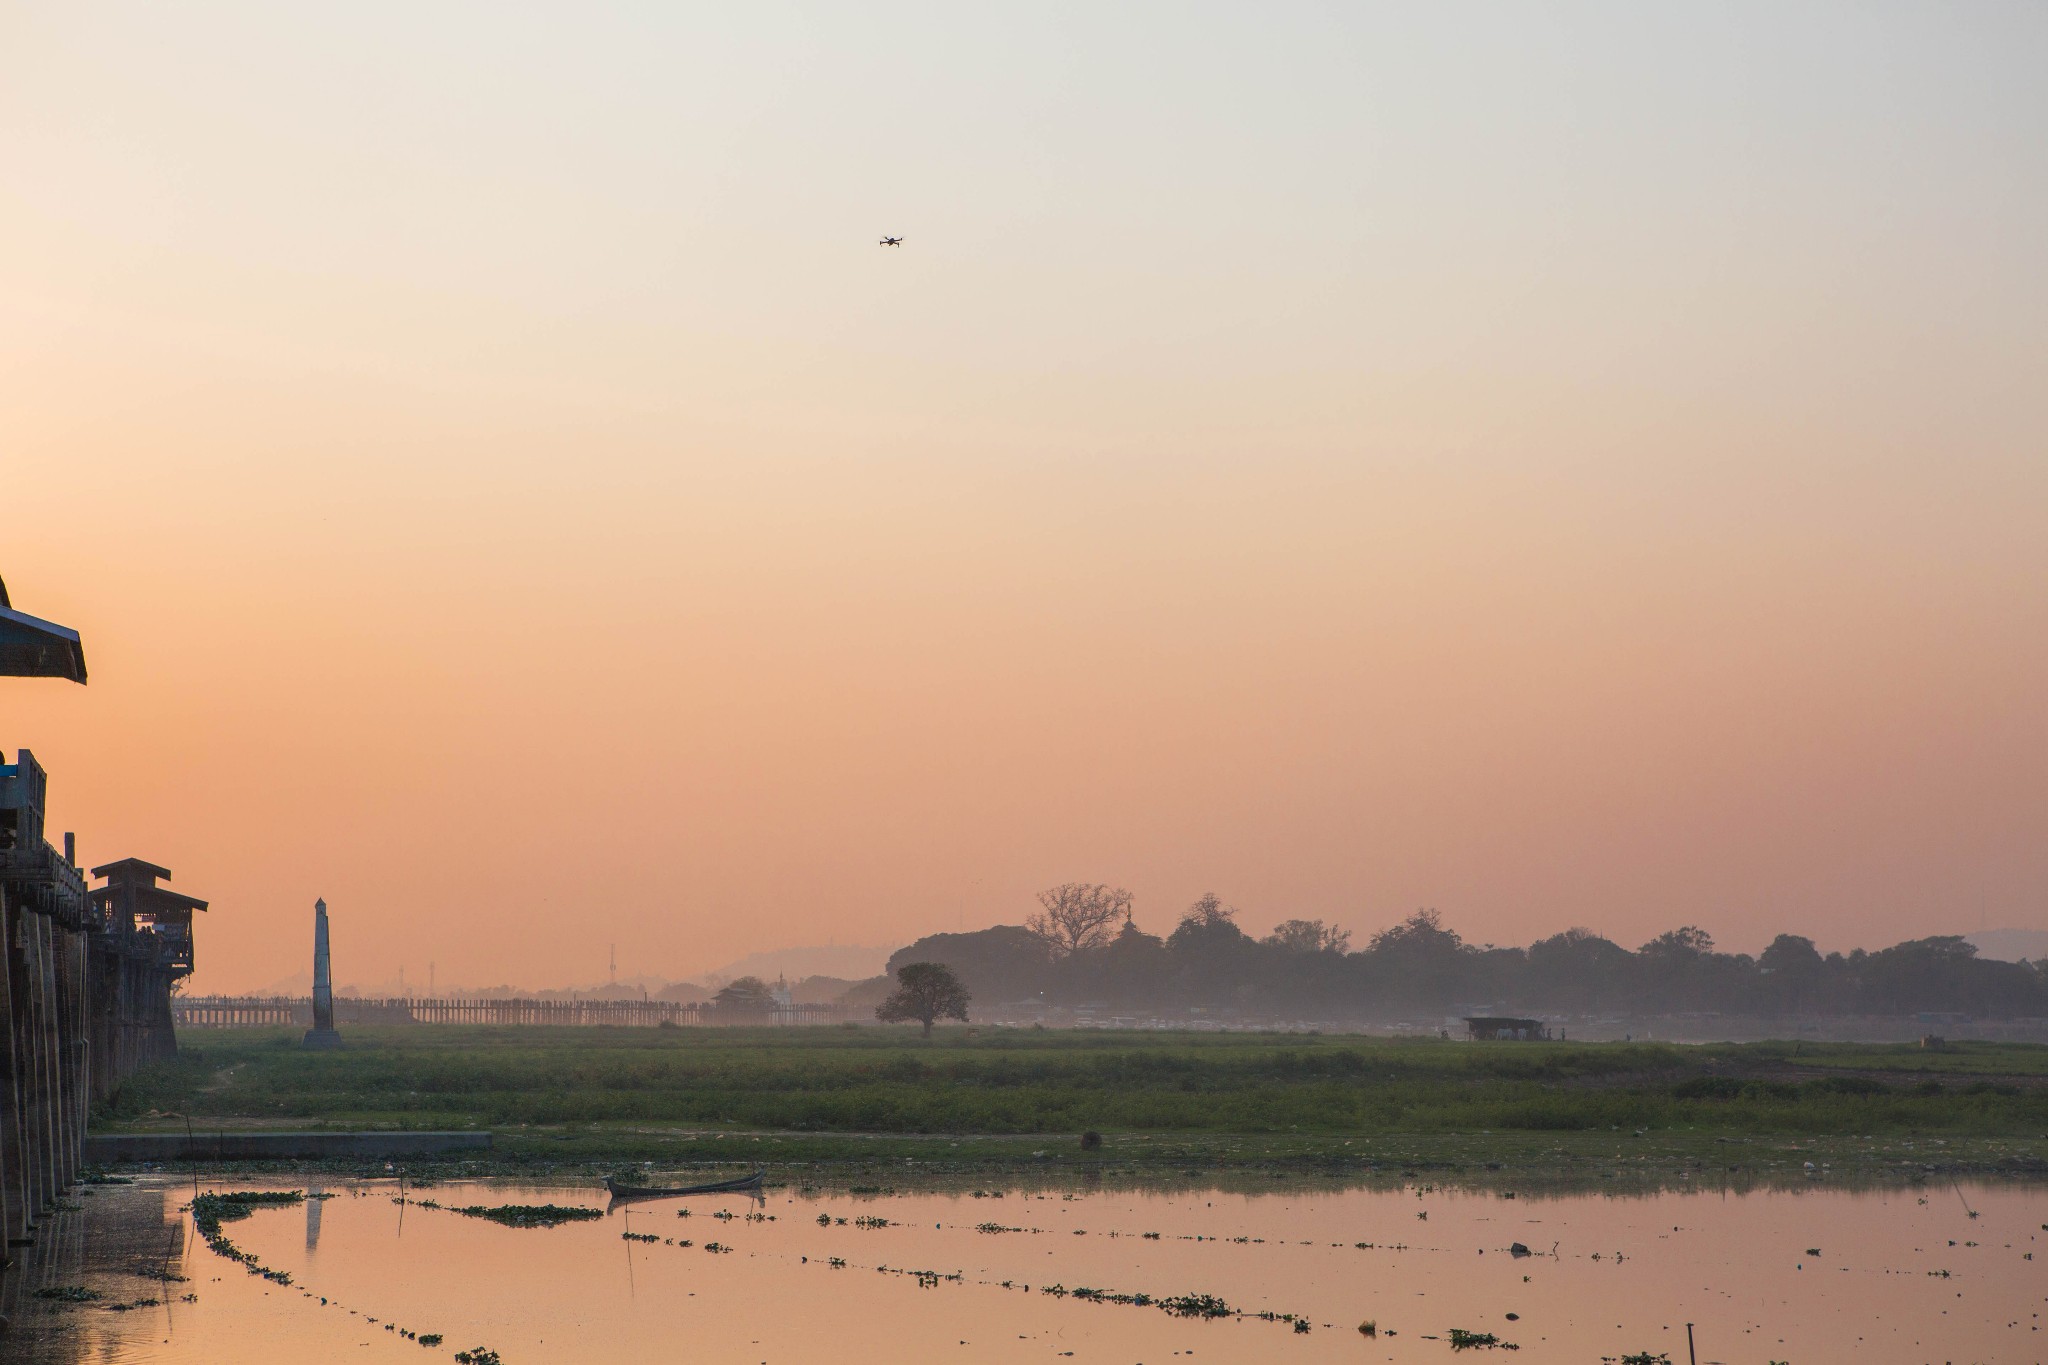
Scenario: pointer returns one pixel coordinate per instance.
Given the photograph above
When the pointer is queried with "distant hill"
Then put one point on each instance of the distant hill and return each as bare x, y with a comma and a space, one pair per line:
841, 960
2011, 945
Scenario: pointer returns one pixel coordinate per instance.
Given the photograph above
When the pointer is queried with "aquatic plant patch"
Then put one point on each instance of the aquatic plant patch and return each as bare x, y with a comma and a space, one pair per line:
1462, 1340
528, 1215
210, 1211
70, 1293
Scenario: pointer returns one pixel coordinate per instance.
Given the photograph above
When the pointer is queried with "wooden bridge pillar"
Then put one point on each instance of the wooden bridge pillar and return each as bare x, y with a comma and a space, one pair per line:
35, 1119
74, 1050
49, 1113
13, 1161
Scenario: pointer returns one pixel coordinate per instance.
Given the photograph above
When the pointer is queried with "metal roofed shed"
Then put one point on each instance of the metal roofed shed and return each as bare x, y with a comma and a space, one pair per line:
1488, 1028
31, 647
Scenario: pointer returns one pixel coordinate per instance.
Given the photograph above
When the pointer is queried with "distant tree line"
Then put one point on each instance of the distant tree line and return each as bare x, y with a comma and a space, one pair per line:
1082, 948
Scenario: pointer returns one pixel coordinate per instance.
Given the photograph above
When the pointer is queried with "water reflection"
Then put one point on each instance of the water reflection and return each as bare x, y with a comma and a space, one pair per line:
316, 1199
1814, 1274
116, 1252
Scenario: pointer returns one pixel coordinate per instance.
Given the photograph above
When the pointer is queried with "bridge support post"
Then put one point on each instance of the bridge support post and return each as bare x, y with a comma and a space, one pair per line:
13, 1190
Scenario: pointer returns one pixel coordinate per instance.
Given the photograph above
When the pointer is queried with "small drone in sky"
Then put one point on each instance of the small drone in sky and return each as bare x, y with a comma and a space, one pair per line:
890, 241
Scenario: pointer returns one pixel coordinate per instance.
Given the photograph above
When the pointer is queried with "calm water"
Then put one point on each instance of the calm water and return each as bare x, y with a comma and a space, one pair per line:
1900, 1275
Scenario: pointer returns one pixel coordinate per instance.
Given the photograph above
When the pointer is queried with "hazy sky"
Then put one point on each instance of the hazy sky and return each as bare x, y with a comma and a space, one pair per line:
1572, 464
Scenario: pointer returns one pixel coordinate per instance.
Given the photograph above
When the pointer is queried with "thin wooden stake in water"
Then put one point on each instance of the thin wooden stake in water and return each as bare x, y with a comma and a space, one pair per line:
632, 1290
164, 1271
1689, 1352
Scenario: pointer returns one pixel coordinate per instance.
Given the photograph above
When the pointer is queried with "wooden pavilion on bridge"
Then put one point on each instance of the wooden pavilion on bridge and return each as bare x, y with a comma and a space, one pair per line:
141, 917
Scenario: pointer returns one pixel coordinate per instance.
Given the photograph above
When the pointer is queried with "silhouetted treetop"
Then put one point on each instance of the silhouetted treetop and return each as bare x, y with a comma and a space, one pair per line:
1679, 945
1308, 936
1206, 925
1420, 969
1790, 953
1422, 934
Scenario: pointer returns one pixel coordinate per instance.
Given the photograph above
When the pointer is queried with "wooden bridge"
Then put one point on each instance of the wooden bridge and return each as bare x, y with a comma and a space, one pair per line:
85, 987
234, 1011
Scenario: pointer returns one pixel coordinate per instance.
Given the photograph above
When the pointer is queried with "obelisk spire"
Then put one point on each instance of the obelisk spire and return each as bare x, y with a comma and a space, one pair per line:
322, 1034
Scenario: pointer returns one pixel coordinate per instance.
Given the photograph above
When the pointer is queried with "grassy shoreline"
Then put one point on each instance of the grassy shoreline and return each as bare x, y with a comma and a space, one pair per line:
844, 1104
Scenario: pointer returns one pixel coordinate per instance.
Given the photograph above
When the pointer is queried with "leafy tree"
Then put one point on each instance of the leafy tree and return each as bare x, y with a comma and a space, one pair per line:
1792, 969
1006, 962
1577, 969
1420, 963
1791, 953
1076, 916
1675, 971
1205, 925
1308, 936
1679, 945
1422, 934
1939, 973
926, 992
747, 995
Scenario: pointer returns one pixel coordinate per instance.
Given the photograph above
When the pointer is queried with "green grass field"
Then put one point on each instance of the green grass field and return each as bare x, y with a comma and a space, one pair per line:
979, 1095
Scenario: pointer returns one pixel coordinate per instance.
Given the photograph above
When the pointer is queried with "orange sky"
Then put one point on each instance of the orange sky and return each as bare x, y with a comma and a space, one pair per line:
1577, 472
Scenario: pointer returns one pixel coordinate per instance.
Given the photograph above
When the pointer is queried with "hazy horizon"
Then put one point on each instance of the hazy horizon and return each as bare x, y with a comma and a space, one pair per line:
2003, 945
1563, 466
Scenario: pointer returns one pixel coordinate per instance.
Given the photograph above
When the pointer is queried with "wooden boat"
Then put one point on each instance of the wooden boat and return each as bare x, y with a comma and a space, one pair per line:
738, 1185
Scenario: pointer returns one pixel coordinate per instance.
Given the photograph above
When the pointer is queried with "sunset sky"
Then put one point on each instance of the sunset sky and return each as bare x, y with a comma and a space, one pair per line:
1580, 464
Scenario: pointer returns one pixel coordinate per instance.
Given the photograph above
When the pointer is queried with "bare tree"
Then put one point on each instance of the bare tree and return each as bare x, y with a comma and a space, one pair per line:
1078, 916
926, 992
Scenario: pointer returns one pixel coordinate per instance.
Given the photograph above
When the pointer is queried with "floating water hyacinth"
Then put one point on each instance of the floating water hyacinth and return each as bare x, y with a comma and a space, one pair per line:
529, 1215
1462, 1340
209, 1211
70, 1293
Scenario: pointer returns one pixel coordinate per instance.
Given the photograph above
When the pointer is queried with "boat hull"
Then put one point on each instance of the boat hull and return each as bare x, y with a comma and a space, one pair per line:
741, 1185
